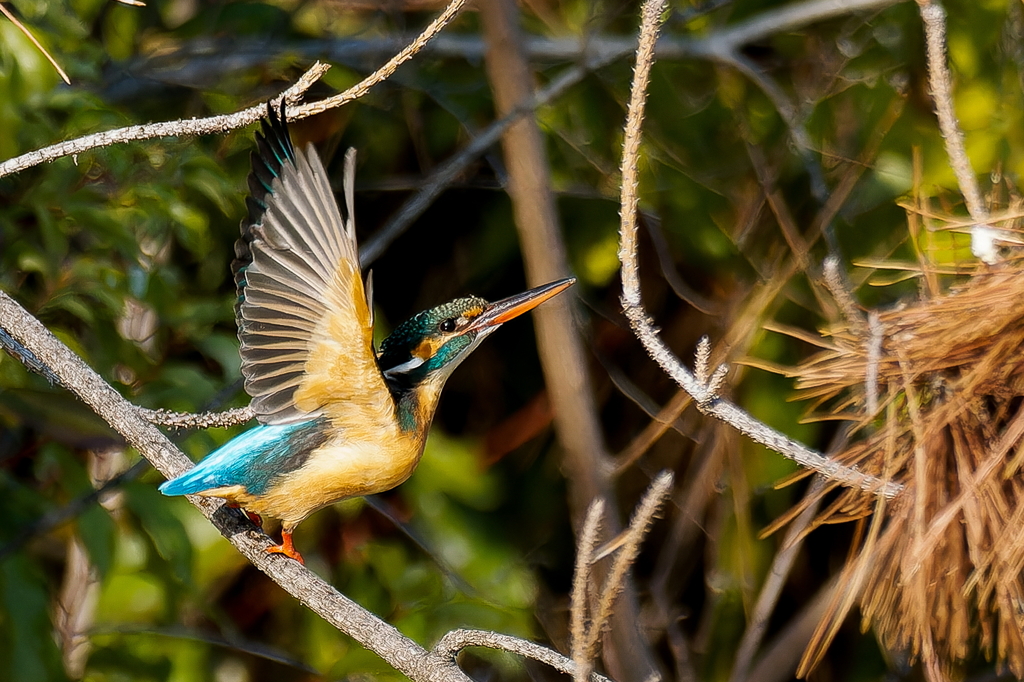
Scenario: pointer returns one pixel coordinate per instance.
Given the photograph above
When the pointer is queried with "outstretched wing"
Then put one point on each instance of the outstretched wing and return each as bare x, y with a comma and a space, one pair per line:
303, 321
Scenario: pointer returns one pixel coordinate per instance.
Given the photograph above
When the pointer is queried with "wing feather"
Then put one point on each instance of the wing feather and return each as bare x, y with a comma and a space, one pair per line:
305, 328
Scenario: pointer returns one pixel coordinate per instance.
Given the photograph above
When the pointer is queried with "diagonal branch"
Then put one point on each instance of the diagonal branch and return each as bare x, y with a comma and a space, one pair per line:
405, 655
707, 401
220, 124
585, 458
399, 651
28, 34
146, 131
445, 173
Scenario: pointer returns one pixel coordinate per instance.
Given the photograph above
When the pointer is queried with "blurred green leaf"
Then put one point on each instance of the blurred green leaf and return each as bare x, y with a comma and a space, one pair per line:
97, 531
29, 650
163, 528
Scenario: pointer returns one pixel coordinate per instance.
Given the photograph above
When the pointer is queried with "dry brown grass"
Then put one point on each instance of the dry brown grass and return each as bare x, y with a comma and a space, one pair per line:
938, 571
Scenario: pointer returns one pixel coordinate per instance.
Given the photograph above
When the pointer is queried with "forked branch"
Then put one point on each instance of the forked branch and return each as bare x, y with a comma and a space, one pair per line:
405, 655
704, 392
402, 653
221, 124
591, 606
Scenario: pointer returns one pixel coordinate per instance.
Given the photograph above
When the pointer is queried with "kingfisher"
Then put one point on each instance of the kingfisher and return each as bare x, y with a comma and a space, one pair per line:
336, 419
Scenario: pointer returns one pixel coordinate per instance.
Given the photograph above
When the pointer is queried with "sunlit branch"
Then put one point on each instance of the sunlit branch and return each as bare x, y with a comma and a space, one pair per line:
707, 399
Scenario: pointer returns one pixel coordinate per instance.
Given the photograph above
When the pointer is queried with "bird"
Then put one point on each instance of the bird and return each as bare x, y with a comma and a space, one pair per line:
336, 418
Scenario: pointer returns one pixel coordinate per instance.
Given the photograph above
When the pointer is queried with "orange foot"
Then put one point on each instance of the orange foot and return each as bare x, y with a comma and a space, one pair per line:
286, 547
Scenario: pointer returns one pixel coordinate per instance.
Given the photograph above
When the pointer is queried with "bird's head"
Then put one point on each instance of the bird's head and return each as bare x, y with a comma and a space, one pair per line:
425, 349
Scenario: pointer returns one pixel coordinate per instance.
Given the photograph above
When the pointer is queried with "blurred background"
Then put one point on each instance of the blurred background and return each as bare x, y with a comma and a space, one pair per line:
800, 137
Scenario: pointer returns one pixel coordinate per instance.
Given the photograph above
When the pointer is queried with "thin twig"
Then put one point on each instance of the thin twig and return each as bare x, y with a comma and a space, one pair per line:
28, 34
449, 646
616, 580
444, 174
939, 80
578, 600
637, 316
601, 49
398, 650
146, 131
630, 200
224, 123
384, 72
200, 420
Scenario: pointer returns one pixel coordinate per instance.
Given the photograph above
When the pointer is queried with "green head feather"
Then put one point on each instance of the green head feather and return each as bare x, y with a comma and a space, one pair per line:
431, 343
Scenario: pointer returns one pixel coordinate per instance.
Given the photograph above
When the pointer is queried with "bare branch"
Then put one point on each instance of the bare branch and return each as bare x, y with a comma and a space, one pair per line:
629, 201
145, 131
616, 580
641, 324
201, 420
578, 601
934, 18
398, 650
224, 123
449, 646
384, 72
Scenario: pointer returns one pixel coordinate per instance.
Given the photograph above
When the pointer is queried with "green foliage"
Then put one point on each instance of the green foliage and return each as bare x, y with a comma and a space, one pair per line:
30, 652
124, 253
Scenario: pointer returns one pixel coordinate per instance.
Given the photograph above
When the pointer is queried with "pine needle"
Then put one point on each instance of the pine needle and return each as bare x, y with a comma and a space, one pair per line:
28, 34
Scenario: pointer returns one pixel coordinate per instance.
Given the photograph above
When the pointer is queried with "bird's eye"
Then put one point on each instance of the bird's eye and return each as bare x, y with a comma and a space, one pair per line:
447, 326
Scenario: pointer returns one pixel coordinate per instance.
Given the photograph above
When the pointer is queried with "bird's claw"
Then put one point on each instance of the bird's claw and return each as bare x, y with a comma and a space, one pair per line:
287, 548
252, 516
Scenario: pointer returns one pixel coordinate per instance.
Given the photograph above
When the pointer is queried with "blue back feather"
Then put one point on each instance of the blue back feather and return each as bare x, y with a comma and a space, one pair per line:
253, 459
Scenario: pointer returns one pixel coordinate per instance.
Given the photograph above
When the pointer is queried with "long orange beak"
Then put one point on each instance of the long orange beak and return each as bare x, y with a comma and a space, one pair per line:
504, 310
